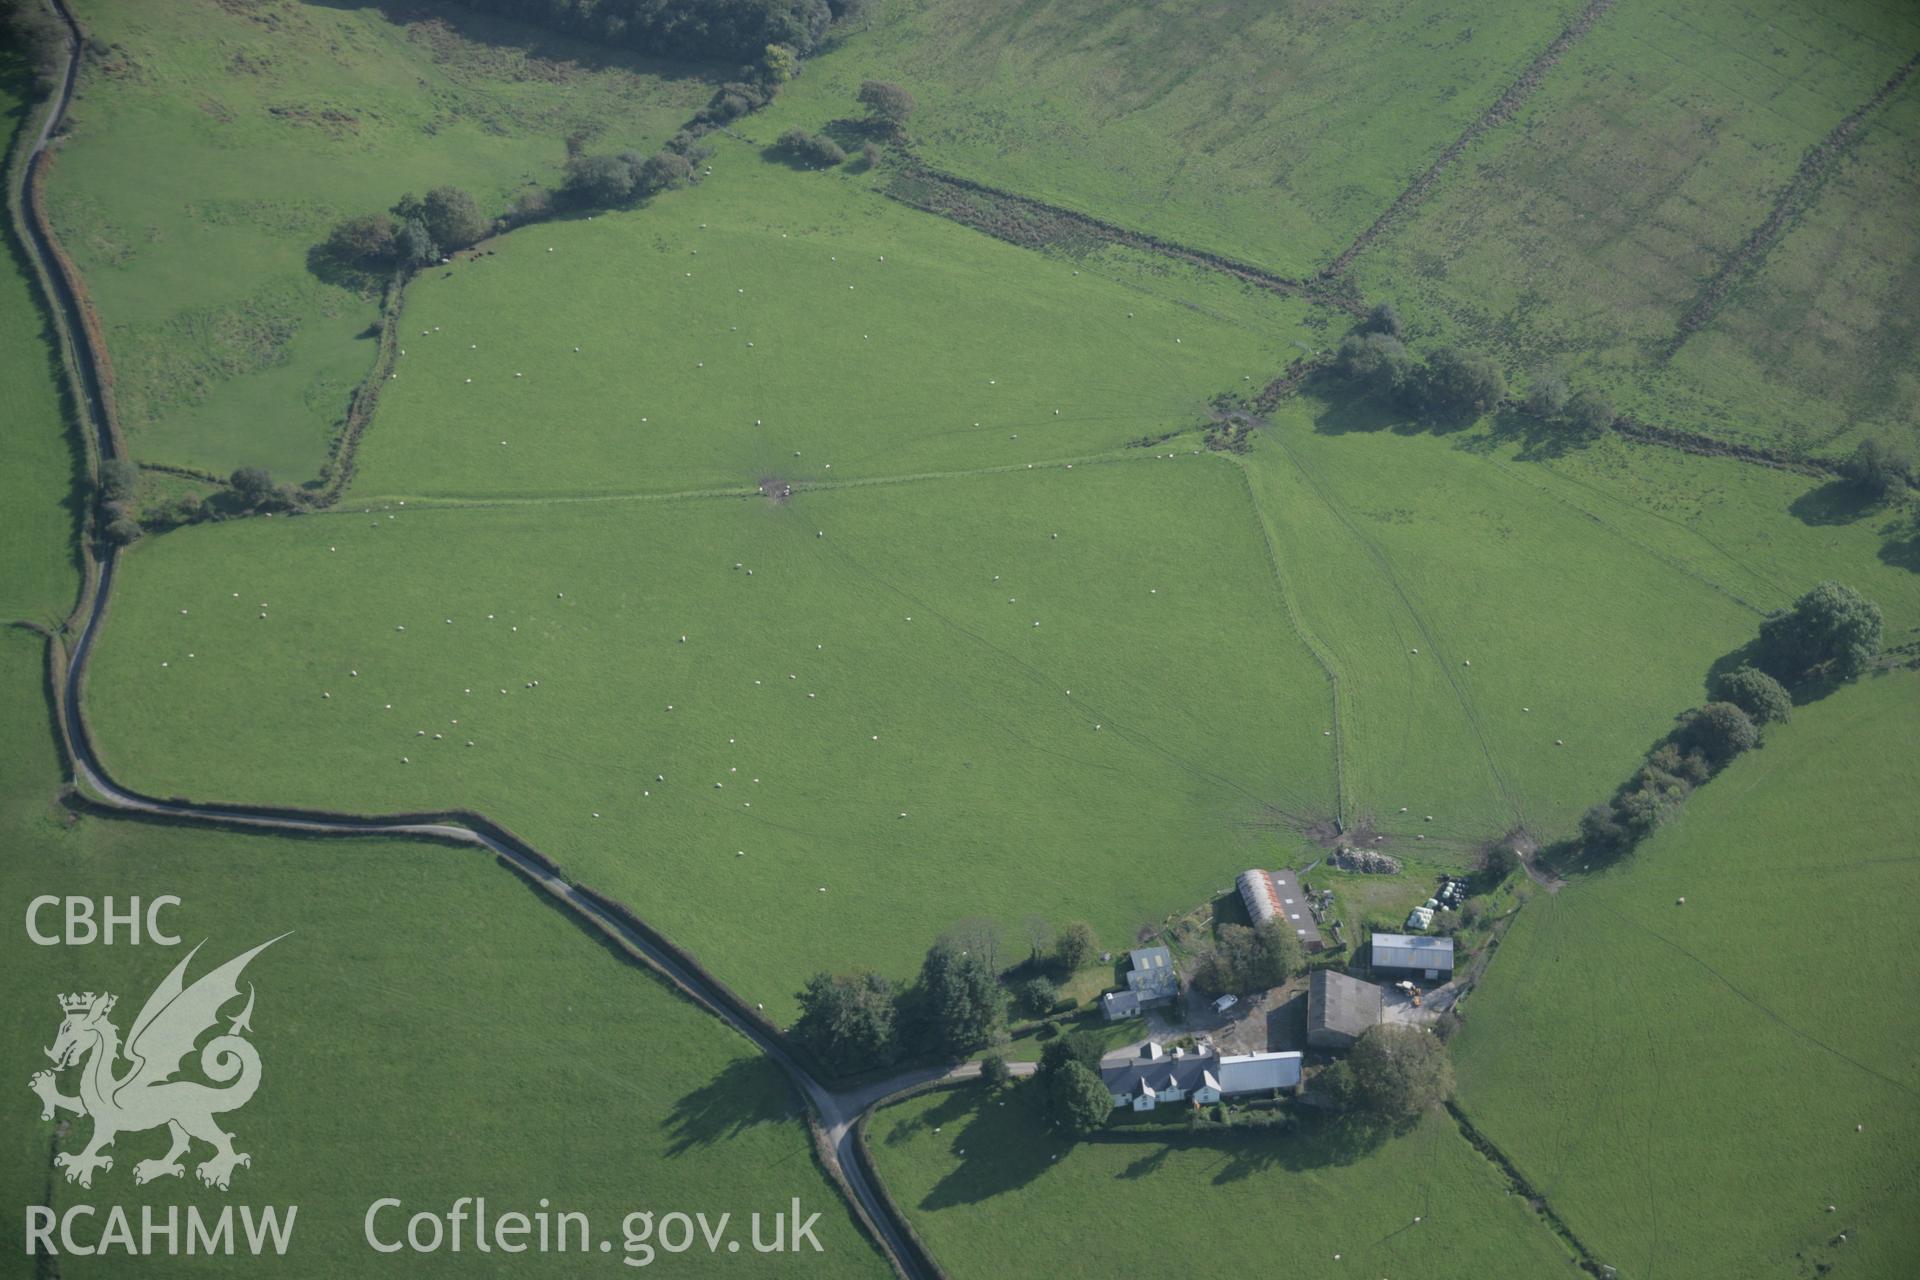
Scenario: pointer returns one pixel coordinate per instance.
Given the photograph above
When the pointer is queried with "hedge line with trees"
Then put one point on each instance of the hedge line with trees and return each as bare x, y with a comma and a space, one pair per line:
958, 1003
1830, 633
1881, 469
1457, 386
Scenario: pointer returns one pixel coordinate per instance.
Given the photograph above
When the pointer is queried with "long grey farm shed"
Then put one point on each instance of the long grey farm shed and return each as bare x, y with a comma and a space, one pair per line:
1412, 956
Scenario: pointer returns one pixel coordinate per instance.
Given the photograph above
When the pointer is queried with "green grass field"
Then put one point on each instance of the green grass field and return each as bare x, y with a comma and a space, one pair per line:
433, 1028
994, 1194
1161, 705
983, 658
1585, 617
253, 128
1581, 232
1196, 606
1629, 1052
772, 323
1824, 326
37, 457
1274, 134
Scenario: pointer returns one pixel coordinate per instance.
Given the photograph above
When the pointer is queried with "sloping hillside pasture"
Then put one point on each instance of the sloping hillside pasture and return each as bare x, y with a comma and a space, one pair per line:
37, 457
1474, 621
1160, 609
252, 129
1826, 324
1116, 762
1628, 1052
774, 323
1580, 233
1273, 133
431, 1029
1704, 515
994, 1193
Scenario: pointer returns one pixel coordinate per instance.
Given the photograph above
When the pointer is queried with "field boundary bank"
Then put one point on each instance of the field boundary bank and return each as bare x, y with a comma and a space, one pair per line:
343, 459
863, 1152
1305, 636
66, 677
1795, 198
1383, 564
1047, 222
609, 916
1494, 116
1521, 1186
1028, 223
1706, 446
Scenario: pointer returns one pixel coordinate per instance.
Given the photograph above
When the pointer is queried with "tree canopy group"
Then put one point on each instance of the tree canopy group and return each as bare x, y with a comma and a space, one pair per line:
1830, 633
958, 1004
1450, 385
1245, 959
1393, 1073
1457, 386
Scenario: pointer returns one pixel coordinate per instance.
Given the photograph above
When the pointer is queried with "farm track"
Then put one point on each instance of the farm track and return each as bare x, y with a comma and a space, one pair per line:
1795, 198
1384, 564
1305, 635
1498, 114
833, 1113
430, 503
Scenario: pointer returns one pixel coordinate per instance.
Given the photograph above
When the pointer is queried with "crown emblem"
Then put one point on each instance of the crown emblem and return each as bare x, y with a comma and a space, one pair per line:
81, 1001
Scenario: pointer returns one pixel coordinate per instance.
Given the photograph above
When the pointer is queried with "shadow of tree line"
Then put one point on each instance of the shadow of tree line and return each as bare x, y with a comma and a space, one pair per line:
991, 1135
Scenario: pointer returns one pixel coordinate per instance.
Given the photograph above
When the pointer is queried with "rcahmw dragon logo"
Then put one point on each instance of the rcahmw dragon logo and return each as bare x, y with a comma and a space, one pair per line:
147, 1096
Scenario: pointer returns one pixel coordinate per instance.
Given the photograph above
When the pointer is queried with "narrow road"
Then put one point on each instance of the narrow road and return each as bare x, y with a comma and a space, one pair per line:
837, 1112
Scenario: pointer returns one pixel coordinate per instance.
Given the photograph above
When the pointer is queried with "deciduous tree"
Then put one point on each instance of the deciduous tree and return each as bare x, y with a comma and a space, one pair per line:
1399, 1071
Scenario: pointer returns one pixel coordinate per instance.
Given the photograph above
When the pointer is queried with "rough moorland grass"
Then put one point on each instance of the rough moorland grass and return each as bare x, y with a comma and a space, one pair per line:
1581, 232
214, 144
1116, 762
989, 1195
1826, 325
37, 456
778, 323
432, 1029
1629, 1052
1274, 133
